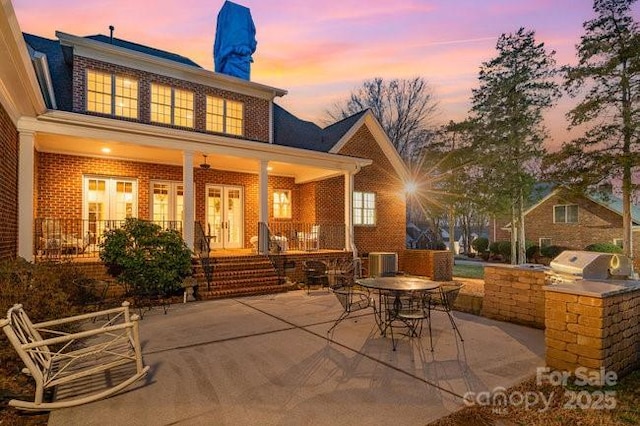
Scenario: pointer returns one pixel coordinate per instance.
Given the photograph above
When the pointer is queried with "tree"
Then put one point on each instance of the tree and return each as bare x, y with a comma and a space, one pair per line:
403, 108
607, 77
515, 88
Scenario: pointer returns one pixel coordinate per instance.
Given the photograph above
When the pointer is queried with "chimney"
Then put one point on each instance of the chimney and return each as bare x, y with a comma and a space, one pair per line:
235, 41
111, 28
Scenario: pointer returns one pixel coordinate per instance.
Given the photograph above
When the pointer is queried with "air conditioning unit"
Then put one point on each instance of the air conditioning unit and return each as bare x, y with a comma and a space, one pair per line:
383, 264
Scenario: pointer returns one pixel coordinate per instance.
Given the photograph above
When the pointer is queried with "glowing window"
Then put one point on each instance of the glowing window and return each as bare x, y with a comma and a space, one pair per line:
171, 105
364, 208
225, 116
112, 94
282, 204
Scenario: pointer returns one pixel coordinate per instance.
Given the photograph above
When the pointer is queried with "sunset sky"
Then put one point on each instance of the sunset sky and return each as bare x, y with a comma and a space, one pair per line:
320, 50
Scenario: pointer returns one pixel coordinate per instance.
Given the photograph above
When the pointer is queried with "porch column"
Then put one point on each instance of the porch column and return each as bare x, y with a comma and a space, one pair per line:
26, 216
263, 207
188, 232
348, 212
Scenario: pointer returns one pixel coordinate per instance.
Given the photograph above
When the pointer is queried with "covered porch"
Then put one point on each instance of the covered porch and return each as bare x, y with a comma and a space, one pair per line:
89, 174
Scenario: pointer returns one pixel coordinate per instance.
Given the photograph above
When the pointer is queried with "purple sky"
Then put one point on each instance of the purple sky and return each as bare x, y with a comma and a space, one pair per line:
320, 51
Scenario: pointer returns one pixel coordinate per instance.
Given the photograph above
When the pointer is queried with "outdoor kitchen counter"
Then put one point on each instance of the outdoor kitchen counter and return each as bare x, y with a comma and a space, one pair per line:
591, 288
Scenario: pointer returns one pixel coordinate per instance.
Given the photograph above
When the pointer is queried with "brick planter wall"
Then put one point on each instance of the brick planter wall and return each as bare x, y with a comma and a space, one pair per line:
435, 264
593, 325
514, 294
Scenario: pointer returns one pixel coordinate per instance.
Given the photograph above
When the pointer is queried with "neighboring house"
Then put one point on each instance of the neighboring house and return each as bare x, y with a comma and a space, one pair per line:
109, 129
564, 218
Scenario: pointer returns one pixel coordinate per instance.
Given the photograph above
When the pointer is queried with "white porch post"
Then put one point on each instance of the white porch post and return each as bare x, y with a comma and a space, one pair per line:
26, 164
263, 206
348, 212
188, 232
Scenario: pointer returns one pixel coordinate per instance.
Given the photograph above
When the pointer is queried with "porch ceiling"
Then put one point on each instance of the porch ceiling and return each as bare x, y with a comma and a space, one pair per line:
89, 147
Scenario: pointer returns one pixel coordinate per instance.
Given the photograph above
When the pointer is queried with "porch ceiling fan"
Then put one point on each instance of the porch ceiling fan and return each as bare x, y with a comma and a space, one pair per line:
204, 165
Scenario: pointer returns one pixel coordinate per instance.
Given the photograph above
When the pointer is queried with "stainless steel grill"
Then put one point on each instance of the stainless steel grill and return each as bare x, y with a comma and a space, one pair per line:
573, 265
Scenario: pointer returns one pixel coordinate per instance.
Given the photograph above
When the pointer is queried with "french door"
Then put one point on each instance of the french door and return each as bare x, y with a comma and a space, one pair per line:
225, 216
107, 203
167, 204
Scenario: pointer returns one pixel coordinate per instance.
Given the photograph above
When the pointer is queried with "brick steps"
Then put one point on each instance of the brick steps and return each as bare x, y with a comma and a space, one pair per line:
237, 276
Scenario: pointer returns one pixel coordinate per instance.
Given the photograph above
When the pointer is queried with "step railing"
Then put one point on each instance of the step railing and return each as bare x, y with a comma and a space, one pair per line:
202, 248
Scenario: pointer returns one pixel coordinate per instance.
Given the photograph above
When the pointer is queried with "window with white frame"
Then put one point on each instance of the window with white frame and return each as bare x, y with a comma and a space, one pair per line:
282, 204
225, 116
170, 105
618, 242
112, 94
545, 242
565, 213
364, 208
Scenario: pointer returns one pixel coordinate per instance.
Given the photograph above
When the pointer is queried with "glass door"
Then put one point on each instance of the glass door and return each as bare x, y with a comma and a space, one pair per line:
167, 204
225, 216
107, 203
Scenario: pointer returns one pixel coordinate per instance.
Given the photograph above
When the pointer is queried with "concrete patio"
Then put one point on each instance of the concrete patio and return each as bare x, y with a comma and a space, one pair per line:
268, 361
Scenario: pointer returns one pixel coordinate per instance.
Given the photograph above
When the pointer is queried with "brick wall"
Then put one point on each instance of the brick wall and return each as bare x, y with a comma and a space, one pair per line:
596, 224
59, 186
435, 264
389, 233
256, 109
593, 331
8, 187
514, 294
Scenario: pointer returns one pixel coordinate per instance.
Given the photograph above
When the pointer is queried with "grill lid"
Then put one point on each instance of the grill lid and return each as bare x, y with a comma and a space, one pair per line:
590, 265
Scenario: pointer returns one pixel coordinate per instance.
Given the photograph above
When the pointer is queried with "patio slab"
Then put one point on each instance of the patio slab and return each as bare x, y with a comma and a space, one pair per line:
268, 360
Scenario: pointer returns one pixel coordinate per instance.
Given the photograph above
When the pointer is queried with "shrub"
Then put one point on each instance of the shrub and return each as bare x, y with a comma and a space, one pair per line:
436, 245
604, 248
480, 244
502, 248
533, 252
146, 259
46, 290
552, 251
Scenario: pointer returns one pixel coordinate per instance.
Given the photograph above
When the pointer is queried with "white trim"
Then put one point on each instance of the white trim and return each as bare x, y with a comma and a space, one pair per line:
26, 212
381, 138
112, 54
19, 88
188, 194
86, 126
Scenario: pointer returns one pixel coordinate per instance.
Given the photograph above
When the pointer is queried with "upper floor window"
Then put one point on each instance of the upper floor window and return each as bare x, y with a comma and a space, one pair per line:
565, 213
170, 105
225, 116
282, 204
112, 94
364, 208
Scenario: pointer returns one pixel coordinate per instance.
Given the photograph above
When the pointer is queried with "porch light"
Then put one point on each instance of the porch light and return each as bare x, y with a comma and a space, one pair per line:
204, 165
106, 150
269, 168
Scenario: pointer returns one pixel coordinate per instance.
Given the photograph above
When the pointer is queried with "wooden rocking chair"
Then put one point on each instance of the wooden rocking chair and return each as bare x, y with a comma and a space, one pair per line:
67, 359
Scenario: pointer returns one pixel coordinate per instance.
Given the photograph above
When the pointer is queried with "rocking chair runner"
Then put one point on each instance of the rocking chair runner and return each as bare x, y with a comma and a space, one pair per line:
68, 359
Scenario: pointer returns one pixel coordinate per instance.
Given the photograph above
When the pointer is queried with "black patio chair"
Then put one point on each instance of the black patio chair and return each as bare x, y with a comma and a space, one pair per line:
352, 300
443, 298
407, 311
315, 273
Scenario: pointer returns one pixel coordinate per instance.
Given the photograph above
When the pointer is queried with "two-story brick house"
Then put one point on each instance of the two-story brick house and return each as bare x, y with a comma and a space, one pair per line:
119, 130
568, 219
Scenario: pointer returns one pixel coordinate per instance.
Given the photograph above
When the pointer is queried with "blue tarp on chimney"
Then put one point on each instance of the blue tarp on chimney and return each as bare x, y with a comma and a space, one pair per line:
235, 41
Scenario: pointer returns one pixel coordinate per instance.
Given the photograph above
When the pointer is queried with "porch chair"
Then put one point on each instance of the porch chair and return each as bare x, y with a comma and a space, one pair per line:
352, 300
309, 240
443, 298
77, 366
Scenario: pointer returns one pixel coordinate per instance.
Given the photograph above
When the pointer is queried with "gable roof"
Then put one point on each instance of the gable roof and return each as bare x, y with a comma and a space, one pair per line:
143, 49
608, 201
289, 130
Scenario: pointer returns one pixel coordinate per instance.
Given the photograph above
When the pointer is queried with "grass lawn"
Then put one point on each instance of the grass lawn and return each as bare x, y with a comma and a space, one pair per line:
468, 271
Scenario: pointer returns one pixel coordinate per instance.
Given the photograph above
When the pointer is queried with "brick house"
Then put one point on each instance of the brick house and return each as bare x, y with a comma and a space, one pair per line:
112, 129
565, 218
